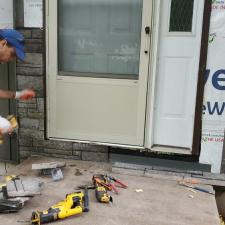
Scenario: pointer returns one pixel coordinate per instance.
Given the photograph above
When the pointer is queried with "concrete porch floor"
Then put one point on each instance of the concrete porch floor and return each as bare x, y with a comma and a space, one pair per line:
162, 201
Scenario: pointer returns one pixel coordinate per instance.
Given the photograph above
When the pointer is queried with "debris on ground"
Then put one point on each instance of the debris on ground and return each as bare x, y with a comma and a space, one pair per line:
50, 165
22, 187
191, 190
72, 165
192, 181
57, 174
50, 168
139, 190
16, 191
191, 196
10, 205
183, 183
78, 173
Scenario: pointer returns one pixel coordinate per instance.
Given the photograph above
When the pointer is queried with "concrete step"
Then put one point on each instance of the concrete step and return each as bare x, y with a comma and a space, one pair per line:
147, 167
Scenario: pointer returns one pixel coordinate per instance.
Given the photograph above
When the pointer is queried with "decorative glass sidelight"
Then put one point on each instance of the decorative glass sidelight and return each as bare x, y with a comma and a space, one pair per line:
181, 15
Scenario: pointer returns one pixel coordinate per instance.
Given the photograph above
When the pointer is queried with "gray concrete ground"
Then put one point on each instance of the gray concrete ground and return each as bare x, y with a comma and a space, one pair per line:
162, 201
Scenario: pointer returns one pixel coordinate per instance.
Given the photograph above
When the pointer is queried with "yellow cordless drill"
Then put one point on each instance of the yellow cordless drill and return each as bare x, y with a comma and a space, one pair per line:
101, 186
74, 204
102, 195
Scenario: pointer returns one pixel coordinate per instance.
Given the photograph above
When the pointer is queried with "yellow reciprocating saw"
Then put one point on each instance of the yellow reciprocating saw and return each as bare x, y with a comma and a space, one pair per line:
74, 204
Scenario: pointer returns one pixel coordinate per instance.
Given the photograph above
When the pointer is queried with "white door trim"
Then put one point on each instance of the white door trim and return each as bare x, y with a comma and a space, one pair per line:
152, 75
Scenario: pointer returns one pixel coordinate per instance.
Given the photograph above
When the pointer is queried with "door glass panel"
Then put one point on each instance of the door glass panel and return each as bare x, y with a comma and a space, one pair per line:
181, 14
99, 37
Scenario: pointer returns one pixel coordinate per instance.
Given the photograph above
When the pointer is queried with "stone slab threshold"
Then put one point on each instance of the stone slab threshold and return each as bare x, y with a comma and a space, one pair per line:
169, 173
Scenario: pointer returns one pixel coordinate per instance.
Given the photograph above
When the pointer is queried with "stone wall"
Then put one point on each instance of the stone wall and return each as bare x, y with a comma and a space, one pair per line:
31, 114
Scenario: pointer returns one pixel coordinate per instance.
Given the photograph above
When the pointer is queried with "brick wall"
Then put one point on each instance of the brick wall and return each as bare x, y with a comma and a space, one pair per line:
31, 114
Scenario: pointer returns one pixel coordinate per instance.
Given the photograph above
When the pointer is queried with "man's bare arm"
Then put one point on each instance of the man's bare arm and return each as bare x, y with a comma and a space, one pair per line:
25, 94
7, 94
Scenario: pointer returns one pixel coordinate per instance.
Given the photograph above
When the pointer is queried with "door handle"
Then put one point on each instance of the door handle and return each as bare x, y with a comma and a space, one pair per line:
147, 32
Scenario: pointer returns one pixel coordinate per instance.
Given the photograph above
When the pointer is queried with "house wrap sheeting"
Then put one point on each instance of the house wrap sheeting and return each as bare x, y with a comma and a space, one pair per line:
213, 123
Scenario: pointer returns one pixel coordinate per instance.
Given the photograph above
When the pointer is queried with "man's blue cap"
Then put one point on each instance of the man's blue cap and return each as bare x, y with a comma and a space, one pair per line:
14, 39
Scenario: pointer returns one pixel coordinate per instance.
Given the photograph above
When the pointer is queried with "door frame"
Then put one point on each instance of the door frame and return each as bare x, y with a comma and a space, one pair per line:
13, 139
196, 144
196, 141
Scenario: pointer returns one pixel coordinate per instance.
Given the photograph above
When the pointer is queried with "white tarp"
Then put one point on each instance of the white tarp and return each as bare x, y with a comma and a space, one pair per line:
214, 96
6, 14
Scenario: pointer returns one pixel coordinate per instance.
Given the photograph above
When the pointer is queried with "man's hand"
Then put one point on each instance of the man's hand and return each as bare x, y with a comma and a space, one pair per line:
5, 126
25, 94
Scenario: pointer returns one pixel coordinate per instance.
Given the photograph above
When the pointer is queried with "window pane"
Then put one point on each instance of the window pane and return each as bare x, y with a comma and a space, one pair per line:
99, 36
181, 14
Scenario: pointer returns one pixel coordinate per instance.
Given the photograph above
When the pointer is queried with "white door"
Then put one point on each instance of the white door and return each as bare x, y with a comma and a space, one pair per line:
178, 64
97, 69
